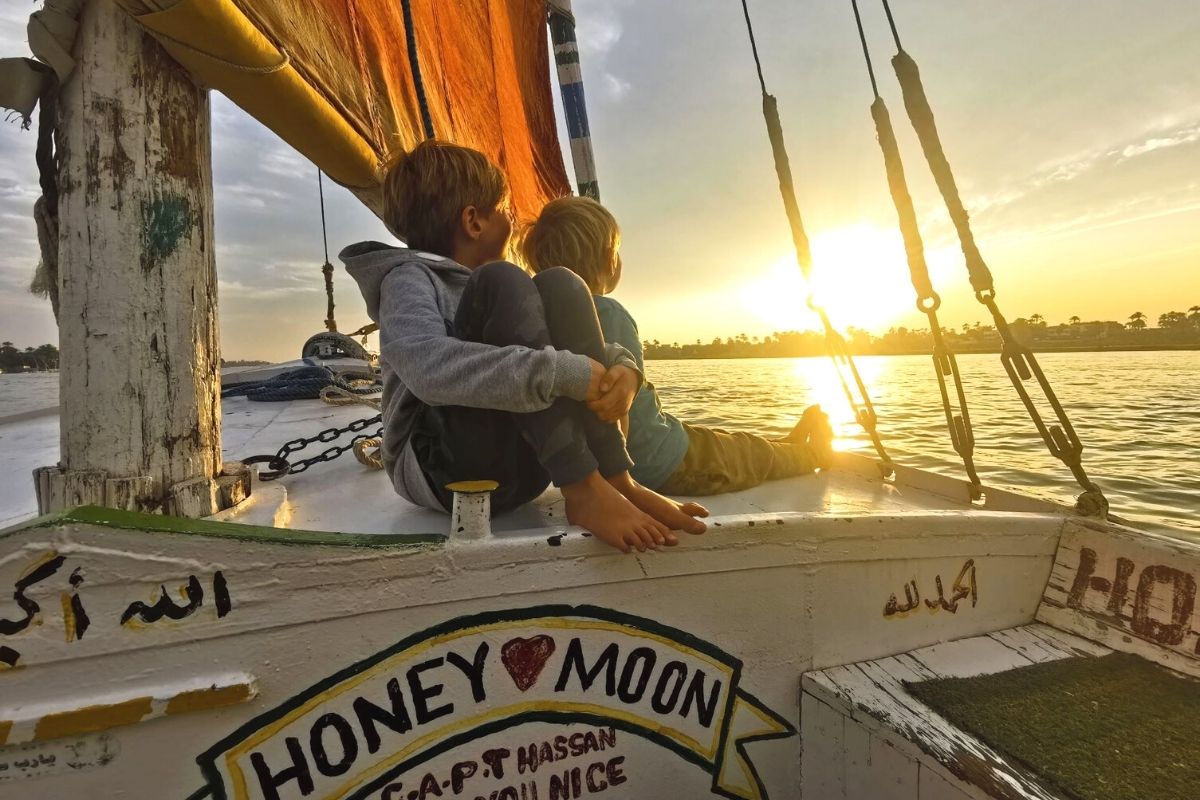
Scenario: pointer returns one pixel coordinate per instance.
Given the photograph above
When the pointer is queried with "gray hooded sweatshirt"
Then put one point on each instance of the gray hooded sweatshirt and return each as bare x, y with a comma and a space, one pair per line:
414, 296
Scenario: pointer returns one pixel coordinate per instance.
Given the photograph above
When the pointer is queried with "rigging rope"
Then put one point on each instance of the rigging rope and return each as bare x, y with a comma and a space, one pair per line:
1019, 361
958, 422
302, 383
326, 268
835, 343
414, 64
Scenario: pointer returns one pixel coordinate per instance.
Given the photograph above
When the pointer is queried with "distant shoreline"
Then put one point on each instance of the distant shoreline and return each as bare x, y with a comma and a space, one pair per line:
962, 351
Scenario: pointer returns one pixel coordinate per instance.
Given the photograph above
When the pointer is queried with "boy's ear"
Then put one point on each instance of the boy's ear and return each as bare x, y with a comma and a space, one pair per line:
470, 222
614, 272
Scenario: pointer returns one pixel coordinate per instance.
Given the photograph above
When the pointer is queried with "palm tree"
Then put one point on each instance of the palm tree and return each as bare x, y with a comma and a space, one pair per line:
1037, 319
1137, 321
1194, 314
1075, 320
1172, 319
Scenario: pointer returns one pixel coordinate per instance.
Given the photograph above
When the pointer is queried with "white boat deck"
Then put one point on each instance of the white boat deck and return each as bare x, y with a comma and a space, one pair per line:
343, 495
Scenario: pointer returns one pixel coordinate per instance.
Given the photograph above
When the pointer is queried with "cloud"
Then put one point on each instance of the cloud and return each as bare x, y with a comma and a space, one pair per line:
1147, 142
1185, 136
614, 87
231, 289
601, 30
1133, 179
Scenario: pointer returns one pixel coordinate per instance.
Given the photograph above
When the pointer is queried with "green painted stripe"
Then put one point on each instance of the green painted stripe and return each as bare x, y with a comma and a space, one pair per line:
156, 523
571, 57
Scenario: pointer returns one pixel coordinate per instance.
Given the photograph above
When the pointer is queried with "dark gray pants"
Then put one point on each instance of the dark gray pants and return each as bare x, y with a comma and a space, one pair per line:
564, 443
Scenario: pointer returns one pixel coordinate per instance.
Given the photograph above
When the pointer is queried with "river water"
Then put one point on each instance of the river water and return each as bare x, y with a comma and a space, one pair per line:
1138, 415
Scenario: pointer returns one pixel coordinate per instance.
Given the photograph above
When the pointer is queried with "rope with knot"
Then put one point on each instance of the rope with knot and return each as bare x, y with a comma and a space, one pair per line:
303, 383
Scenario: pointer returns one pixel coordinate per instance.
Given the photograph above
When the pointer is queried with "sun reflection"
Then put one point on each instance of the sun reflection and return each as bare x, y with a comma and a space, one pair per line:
817, 381
860, 276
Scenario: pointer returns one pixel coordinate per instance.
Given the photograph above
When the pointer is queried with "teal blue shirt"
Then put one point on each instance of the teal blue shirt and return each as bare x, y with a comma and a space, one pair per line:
657, 441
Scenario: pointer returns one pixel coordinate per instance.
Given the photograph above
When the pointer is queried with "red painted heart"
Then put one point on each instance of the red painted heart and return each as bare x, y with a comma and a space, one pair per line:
525, 658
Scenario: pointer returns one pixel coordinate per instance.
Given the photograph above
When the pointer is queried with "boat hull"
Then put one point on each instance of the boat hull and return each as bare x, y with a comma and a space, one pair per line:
231, 661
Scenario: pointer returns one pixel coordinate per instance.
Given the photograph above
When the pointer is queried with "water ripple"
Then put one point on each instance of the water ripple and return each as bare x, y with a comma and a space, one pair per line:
1136, 414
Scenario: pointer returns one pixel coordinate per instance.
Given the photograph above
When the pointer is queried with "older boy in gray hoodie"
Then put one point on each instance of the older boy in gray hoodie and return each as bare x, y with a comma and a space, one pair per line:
491, 374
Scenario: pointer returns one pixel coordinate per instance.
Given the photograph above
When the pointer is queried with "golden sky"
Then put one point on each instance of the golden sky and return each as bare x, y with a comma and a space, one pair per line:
1073, 128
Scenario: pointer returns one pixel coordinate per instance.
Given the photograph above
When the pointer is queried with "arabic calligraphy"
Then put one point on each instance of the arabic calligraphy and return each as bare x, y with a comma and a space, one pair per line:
964, 587
36, 573
77, 621
58, 757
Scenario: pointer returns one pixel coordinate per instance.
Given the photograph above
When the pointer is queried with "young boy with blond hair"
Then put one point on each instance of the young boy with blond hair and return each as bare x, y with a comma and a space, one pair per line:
489, 374
669, 456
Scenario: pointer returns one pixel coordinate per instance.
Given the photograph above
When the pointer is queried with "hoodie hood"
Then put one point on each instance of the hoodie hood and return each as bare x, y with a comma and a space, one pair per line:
370, 262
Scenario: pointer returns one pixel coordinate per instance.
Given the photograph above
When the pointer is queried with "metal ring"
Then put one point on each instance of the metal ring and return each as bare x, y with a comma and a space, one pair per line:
985, 295
278, 466
929, 303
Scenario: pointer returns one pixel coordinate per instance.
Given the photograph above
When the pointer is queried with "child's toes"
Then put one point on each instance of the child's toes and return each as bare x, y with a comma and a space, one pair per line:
694, 510
690, 524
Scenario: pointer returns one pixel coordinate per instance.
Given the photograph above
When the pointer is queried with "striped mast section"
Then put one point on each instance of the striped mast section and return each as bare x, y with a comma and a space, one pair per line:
570, 81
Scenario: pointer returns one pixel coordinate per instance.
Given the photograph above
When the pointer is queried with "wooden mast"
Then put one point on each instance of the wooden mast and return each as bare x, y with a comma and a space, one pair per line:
140, 368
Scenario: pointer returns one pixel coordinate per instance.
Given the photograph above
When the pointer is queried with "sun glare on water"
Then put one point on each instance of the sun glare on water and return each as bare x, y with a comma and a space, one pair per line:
860, 276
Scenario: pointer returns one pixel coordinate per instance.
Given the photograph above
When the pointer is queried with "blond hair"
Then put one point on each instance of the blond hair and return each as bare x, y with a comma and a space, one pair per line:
426, 190
577, 233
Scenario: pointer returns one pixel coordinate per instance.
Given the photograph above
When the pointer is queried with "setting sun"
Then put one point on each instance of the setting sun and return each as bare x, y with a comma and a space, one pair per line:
859, 274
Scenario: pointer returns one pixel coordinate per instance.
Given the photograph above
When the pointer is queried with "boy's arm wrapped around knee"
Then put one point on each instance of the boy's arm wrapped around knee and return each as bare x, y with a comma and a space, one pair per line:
443, 370
623, 342
615, 354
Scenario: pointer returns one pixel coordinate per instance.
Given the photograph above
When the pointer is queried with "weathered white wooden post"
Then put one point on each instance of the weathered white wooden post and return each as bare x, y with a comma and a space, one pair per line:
140, 369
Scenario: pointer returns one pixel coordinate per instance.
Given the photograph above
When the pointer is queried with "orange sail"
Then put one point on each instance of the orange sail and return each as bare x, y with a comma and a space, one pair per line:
334, 79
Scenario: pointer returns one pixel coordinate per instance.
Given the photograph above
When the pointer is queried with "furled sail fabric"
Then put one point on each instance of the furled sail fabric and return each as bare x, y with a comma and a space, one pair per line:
333, 79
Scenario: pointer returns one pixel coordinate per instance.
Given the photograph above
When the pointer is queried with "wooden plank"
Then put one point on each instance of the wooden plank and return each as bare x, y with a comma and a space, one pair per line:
872, 695
857, 761
140, 359
932, 786
194, 498
1031, 647
131, 494
1067, 643
822, 771
966, 658
1131, 591
893, 774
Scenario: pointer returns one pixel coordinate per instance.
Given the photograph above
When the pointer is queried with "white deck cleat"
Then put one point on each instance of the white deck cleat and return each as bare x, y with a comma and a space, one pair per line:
471, 517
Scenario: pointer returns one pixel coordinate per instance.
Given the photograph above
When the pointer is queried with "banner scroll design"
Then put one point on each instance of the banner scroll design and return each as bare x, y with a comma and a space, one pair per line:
351, 734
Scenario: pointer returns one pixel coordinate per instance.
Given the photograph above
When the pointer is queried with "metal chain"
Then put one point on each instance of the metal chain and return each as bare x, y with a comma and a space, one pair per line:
835, 343
945, 365
962, 437
864, 411
1019, 361
278, 465
1061, 440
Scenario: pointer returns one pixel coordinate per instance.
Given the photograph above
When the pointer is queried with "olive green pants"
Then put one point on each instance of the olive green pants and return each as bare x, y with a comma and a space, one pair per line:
720, 461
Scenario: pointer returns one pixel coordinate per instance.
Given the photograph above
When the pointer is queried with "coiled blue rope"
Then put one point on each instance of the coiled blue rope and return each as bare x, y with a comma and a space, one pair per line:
302, 383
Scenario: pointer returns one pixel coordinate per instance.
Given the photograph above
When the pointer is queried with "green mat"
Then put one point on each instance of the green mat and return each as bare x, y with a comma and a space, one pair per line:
1111, 728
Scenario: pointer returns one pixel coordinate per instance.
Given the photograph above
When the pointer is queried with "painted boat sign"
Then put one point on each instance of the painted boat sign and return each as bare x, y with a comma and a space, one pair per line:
530, 704
1133, 592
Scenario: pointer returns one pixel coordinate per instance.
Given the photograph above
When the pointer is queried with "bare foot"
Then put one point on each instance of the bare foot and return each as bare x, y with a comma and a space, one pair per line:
676, 516
821, 441
594, 504
814, 430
